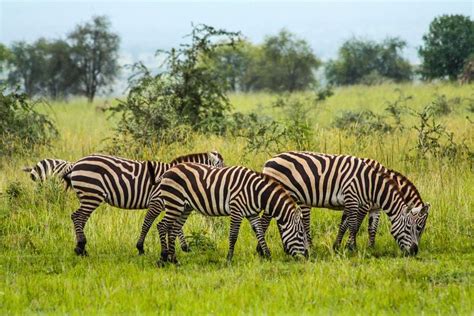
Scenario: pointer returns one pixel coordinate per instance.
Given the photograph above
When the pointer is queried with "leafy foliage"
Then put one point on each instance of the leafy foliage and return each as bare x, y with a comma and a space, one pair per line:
369, 62
447, 45
364, 122
436, 140
187, 95
94, 53
21, 126
282, 63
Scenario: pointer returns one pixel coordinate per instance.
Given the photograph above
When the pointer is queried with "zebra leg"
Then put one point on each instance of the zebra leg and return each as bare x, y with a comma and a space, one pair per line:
235, 221
79, 218
182, 241
306, 211
172, 215
173, 232
342, 230
355, 219
150, 217
264, 222
374, 218
257, 228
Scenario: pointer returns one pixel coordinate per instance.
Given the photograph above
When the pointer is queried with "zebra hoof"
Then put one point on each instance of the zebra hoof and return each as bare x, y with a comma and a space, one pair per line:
141, 252
172, 259
259, 250
185, 248
160, 263
351, 247
80, 252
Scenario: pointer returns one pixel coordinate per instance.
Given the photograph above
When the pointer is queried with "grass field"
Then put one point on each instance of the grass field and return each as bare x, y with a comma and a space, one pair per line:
39, 272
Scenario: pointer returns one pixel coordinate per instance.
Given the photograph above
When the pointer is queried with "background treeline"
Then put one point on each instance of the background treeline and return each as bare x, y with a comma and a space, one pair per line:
85, 62
81, 64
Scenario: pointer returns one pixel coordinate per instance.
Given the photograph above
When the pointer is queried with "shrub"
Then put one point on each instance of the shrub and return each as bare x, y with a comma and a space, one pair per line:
436, 140
187, 95
362, 123
21, 126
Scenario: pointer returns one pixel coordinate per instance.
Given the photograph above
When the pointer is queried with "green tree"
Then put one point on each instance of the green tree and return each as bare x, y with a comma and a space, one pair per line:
362, 61
187, 95
287, 64
237, 65
448, 43
5, 56
94, 52
61, 73
29, 64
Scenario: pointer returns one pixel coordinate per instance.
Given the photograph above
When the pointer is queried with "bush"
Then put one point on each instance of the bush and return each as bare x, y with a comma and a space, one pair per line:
362, 123
436, 140
21, 126
188, 95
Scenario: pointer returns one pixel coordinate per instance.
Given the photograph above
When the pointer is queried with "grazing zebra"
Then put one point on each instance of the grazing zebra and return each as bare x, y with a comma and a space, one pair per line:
237, 192
348, 183
406, 187
121, 183
47, 168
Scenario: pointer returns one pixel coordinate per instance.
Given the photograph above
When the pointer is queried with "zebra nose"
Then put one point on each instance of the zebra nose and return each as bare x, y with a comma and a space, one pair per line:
413, 250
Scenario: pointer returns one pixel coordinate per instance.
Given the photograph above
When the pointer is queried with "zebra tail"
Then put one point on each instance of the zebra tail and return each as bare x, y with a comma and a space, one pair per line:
67, 179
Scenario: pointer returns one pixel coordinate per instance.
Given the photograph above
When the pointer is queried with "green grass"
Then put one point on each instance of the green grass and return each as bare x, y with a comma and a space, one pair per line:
39, 272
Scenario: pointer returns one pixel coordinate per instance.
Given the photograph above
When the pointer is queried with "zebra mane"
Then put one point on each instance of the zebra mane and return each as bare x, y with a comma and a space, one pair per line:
409, 183
390, 174
191, 156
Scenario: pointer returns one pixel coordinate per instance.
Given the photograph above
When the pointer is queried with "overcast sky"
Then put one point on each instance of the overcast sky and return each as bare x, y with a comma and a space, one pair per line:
145, 26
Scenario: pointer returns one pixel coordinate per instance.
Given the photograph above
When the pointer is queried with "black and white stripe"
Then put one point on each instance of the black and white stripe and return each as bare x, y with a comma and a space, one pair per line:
121, 183
237, 192
47, 168
348, 183
405, 186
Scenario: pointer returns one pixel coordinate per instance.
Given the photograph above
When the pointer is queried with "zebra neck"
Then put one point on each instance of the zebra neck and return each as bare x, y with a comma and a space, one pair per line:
270, 200
392, 203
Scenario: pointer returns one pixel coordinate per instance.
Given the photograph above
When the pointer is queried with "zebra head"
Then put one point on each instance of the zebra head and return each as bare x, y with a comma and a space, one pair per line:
293, 235
215, 159
34, 174
410, 227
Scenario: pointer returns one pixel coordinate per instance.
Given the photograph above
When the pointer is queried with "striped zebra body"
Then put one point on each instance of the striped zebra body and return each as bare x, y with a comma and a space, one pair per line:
348, 183
122, 183
47, 168
237, 192
407, 189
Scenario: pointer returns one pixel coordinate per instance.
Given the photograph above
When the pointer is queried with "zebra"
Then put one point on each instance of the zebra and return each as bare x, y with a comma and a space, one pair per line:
47, 168
235, 191
348, 183
121, 183
410, 193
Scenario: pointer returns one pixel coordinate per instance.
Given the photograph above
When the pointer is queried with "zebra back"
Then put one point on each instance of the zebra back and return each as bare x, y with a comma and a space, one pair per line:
156, 169
220, 191
410, 193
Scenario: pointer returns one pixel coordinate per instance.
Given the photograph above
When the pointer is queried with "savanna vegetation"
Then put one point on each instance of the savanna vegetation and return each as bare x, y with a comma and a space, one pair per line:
41, 273
198, 103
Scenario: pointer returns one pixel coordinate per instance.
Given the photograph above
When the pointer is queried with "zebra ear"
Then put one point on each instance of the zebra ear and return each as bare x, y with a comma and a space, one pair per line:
425, 209
26, 169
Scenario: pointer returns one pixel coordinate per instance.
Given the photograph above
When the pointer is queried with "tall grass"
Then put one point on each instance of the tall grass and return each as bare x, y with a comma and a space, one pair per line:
39, 272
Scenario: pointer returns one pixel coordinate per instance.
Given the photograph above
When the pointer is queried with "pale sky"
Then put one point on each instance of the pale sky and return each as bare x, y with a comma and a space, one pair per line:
146, 26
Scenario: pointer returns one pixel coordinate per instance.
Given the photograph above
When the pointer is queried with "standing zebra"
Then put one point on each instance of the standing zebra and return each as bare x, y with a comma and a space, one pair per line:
406, 187
47, 168
121, 183
347, 182
237, 192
